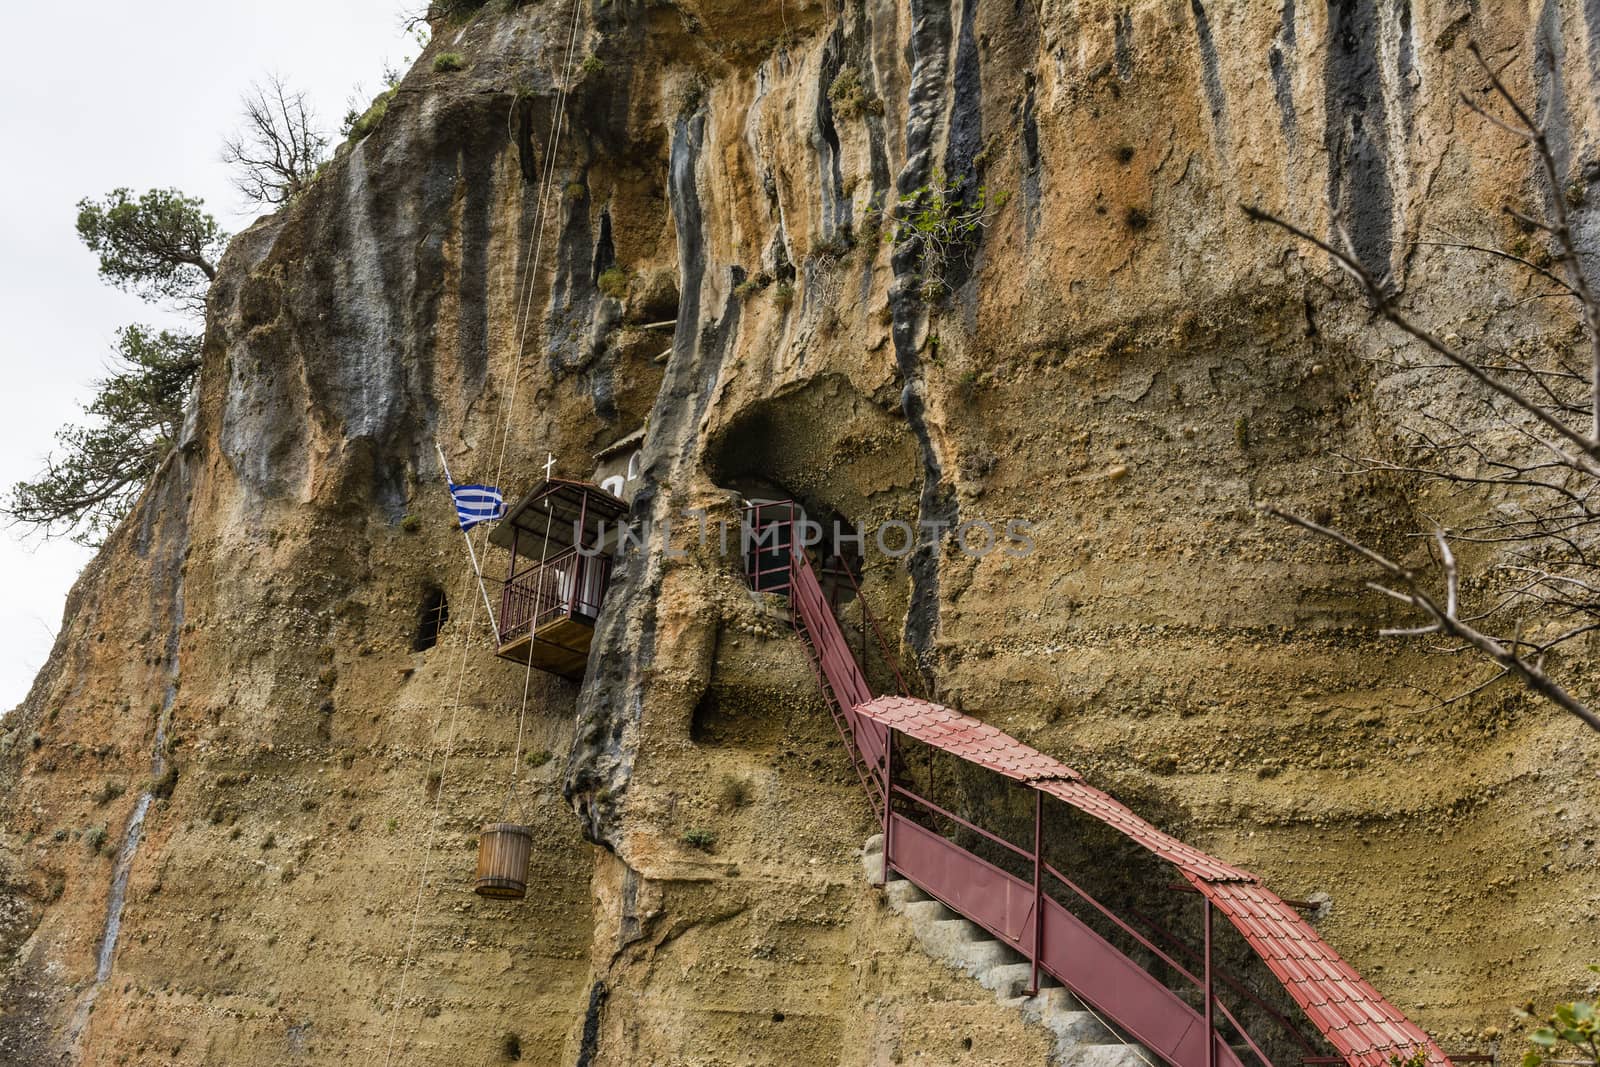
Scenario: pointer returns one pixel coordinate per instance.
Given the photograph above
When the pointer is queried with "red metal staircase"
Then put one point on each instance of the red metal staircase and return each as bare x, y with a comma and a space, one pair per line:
1362, 1028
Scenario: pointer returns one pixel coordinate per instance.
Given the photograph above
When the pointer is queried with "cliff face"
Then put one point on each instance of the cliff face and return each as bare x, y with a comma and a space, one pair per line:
238, 802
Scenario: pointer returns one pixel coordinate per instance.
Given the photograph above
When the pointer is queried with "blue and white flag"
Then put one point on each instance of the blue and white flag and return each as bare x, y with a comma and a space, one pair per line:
477, 503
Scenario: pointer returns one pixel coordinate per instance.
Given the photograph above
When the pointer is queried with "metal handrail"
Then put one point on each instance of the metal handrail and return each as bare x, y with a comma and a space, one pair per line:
953, 817
1231, 980
883, 646
537, 565
823, 646
1121, 924
1184, 972
532, 596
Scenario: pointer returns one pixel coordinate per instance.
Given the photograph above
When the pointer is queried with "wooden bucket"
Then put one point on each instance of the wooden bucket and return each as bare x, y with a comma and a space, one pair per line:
503, 849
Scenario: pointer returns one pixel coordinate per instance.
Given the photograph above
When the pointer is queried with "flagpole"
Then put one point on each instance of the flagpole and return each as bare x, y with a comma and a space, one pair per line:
449, 484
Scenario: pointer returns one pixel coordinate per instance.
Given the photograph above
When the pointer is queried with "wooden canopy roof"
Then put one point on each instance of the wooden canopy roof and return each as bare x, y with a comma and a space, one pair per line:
556, 506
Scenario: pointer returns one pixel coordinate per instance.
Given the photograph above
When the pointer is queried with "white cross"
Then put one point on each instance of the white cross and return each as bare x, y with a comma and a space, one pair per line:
549, 465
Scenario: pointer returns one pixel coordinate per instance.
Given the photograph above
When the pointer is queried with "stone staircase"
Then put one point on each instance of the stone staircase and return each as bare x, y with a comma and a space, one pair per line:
1081, 1039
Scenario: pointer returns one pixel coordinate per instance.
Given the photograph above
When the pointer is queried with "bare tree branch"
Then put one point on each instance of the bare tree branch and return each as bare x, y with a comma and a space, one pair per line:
1444, 621
1562, 228
278, 151
1523, 446
1588, 457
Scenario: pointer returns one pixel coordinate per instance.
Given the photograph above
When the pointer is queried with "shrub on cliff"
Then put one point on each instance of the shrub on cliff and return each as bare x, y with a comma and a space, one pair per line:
357, 124
701, 838
134, 421
944, 220
613, 282
162, 246
851, 98
453, 9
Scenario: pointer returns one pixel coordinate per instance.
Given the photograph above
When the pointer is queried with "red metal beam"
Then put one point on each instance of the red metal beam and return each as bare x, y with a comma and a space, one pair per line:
1354, 1018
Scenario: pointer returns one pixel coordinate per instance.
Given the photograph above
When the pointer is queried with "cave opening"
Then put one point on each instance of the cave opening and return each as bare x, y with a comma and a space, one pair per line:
753, 458
846, 461
432, 615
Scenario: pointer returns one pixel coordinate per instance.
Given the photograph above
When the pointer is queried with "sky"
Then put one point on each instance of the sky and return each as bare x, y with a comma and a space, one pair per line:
110, 94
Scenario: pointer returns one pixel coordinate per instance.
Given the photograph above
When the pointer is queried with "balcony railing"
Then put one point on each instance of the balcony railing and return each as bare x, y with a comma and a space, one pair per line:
569, 585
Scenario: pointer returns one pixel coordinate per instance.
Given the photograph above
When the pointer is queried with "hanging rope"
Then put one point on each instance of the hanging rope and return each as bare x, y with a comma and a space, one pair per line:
427, 856
514, 359
536, 239
527, 676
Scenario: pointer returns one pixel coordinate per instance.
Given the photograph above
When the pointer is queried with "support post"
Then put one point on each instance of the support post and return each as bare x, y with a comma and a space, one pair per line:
888, 801
577, 556
1038, 890
508, 591
861, 600
1211, 1033
477, 572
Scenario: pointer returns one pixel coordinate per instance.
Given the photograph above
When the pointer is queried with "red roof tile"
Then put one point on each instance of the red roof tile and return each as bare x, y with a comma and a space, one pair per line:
1360, 1024
962, 735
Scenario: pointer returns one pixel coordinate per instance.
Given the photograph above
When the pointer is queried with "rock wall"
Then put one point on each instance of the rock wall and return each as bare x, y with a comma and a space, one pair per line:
1119, 359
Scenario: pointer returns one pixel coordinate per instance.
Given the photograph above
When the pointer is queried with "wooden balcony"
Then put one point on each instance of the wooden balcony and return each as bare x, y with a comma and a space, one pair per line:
548, 611
558, 575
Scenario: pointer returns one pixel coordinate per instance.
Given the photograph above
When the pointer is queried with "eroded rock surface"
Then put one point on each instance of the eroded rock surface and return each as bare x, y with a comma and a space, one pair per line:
1120, 359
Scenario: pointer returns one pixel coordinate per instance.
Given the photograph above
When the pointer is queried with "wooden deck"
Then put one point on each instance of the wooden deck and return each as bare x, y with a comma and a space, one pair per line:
560, 646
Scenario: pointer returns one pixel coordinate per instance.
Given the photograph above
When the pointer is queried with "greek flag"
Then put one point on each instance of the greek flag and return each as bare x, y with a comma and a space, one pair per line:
477, 503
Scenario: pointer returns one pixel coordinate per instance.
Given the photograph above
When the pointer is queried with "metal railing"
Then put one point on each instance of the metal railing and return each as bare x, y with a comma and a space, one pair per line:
568, 585
1024, 912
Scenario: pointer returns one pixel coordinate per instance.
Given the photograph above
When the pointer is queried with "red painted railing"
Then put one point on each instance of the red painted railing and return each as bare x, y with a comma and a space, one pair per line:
567, 585
774, 563
1344, 1009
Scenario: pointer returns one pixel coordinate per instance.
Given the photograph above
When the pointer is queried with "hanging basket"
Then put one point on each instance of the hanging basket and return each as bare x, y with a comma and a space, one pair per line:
503, 850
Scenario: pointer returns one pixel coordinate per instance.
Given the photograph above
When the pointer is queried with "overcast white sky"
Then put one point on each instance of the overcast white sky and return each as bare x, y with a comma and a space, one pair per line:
104, 94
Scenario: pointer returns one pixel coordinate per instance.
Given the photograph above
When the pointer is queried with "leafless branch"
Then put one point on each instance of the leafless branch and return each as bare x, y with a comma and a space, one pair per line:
1523, 446
1442, 620
1562, 228
1587, 455
279, 148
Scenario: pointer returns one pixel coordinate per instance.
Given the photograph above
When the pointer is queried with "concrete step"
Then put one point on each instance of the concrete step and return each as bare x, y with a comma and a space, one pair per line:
927, 911
977, 957
1054, 998
1105, 1056
947, 940
1077, 1028
901, 892
1080, 1039
872, 866
1009, 980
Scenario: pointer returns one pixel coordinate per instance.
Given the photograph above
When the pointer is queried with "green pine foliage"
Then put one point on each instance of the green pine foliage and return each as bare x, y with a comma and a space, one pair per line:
161, 246
101, 466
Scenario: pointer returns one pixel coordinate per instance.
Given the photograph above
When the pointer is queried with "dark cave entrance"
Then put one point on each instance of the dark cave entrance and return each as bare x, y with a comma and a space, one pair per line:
432, 615
849, 465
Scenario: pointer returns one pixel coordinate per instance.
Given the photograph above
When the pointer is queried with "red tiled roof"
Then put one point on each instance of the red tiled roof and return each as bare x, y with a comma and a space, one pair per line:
1349, 1012
962, 735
